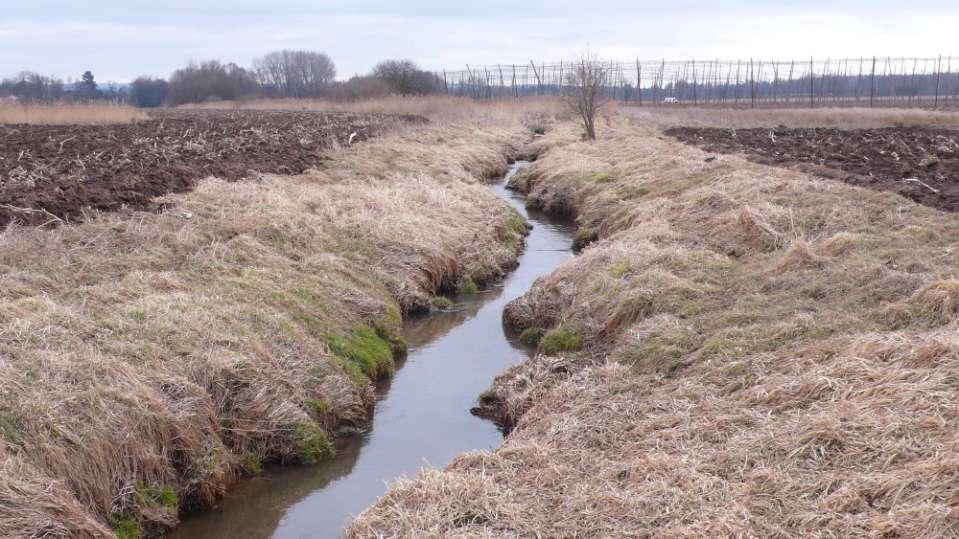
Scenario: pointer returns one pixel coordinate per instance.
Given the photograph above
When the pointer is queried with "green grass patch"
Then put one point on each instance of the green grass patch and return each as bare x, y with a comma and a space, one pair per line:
125, 526
151, 495
251, 463
531, 336
366, 349
9, 429
468, 286
312, 444
317, 408
565, 338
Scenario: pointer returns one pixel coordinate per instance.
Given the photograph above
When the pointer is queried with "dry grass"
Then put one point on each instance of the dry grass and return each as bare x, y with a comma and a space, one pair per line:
144, 355
843, 118
436, 108
63, 114
767, 354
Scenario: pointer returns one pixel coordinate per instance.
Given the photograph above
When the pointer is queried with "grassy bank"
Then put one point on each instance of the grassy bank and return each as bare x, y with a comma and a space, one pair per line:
147, 360
739, 350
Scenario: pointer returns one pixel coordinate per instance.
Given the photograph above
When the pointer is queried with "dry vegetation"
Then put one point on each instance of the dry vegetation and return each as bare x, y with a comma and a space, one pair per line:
843, 118
148, 359
743, 351
436, 108
68, 114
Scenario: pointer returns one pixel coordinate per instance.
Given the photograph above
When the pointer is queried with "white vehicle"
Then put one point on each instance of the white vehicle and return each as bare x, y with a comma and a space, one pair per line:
671, 100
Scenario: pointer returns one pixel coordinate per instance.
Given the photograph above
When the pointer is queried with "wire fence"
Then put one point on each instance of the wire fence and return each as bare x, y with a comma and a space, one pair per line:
873, 81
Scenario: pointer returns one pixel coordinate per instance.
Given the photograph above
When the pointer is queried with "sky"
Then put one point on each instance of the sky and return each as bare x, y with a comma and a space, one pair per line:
121, 39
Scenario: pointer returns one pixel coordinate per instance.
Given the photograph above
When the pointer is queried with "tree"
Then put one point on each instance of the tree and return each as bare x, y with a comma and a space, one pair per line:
29, 86
584, 91
210, 81
87, 87
295, 73
406, 78
148, 92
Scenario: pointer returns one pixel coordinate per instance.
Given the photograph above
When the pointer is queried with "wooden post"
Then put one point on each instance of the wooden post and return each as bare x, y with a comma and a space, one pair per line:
812, 88
639, 81
539, 83
938, 80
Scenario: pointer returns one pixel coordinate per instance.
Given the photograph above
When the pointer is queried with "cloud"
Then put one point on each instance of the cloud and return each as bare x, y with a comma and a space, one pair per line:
122, 39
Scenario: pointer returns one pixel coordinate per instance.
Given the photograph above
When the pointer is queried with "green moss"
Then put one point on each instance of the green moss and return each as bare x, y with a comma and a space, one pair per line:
531, 336
312, 445
125, 526
251, 463
565, 338
366, 349
138, 314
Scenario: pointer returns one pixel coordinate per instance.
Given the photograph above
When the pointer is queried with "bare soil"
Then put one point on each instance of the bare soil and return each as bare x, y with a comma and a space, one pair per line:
50, 172
884, 159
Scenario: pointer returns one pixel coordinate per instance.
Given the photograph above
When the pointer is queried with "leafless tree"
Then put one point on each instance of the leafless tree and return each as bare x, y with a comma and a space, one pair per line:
295, 73
406, 78
584, 91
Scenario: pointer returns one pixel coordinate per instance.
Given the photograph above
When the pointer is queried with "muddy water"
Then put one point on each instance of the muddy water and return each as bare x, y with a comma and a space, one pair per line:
422, 415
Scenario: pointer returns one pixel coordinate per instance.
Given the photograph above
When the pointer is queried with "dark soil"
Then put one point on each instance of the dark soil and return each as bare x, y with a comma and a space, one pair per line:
882, 159
51, 173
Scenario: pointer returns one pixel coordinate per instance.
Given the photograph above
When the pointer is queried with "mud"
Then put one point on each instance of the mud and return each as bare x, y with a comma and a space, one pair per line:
55, 173
919, 163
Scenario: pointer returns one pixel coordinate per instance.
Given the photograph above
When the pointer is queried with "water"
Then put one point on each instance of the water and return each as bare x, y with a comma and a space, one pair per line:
422, 415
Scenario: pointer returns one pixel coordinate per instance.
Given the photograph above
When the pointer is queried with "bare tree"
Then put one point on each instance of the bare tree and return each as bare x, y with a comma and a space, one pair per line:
584, 91
406, 78
295, 73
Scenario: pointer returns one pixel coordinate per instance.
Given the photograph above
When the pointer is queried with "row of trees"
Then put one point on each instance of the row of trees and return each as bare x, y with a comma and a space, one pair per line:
283, 74
29, 86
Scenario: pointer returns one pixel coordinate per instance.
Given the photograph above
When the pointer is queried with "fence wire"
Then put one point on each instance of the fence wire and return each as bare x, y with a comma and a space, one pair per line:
873, 81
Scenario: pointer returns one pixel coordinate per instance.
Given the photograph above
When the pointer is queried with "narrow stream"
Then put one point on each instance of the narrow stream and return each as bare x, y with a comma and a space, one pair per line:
422, 415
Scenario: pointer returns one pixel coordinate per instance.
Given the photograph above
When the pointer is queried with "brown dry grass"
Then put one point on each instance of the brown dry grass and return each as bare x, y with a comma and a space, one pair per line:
767, 354
436, 108
63, 114
843, 118
143, 353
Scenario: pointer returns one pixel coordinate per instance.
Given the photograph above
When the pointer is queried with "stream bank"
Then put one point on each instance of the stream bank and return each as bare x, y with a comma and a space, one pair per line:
422, 414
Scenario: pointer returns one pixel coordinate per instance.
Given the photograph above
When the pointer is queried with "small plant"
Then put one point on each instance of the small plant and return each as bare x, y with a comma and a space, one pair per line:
468, 286
531, 336
312, 444
125, 526
565, 338
317, 408
251, 463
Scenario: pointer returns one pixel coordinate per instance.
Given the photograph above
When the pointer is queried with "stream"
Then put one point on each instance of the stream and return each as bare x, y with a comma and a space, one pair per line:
422, 414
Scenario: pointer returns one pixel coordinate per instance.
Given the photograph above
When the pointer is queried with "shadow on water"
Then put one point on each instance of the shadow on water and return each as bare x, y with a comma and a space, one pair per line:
422, 415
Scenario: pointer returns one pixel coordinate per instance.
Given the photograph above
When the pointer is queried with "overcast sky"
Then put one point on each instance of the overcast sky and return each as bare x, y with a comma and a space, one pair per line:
120, 39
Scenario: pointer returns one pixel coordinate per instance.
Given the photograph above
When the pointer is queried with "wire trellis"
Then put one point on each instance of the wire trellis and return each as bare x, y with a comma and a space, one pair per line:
872, 81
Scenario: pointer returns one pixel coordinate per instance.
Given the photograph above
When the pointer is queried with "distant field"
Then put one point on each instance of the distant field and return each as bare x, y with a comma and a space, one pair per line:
64, 114
51, 172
